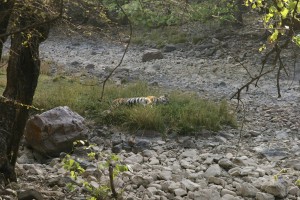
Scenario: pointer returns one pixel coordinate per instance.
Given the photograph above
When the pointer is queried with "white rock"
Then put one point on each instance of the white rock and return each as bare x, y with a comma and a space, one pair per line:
150, 191
225, 191
229, 197
213, 170
295, 191
154, 161
246, 190
275, 188
135, 158
149, 153
217, 181
207, 194
191, 186
180, 192
187, 165
165, 175
173, 186
264, 196
141, 180
192, 153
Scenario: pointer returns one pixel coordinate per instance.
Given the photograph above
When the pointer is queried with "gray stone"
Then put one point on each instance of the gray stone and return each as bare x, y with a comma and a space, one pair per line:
29, 194
217, 181
180, 192
264, 196
135, 158
150, 191
246, 190
141, 180
277, 189
213, 170
187, 165
207, 194
169, 48
294, 190
154, 161
54, 131
165, 175
189, 153
236, 171
149, 153
226, 191
141, 145
90, 67
173, 186
226, 164
190, 185
229, 197
152, 54
275, 154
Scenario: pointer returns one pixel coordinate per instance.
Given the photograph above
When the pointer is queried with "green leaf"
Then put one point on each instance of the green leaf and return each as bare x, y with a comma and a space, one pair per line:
284, 12
114, 157
291, 5
268, 17
263, 47
296, 39
276, 177
73, 174
280, 4
274, 36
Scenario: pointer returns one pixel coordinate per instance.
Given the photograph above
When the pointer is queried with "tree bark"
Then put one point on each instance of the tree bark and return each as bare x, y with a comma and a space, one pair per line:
22, 77
6, 7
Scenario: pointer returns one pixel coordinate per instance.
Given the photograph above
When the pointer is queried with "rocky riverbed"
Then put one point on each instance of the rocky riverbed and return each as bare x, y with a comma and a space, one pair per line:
259, 162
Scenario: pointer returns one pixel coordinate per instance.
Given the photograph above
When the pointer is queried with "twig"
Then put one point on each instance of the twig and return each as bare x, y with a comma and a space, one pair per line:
125, 51
242, 127
111, 180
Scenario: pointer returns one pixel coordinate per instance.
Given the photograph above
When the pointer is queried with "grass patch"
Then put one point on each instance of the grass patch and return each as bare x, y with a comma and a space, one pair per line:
160, 36
186, 112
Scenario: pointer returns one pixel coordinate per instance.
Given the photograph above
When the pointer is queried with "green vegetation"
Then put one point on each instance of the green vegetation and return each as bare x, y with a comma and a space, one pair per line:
103, 188
185, 113
153, 14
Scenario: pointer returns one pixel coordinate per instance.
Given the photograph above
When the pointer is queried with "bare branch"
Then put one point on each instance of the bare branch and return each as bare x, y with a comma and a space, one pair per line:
125, 51
111, 180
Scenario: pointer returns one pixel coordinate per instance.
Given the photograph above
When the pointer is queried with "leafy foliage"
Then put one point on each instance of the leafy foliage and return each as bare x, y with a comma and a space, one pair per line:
75, 169
281, 18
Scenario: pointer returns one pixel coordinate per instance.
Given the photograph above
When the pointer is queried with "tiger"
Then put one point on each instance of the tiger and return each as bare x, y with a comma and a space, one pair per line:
149, 100
145, 101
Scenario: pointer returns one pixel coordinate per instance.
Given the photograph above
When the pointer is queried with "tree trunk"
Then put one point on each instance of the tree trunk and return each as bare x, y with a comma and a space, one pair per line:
6, 7
22, 77
239, 12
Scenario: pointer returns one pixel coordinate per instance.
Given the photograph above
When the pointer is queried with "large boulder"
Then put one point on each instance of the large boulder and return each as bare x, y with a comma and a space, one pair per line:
54, 131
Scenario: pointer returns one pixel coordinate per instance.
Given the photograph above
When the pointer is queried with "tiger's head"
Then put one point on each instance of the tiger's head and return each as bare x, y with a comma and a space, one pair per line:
163, 99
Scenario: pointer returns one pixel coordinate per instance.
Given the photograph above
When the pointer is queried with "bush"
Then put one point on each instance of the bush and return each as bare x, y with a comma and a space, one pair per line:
148, 13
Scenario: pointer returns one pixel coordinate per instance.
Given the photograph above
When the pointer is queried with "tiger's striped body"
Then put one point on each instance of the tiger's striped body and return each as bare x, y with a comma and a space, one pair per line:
149, 100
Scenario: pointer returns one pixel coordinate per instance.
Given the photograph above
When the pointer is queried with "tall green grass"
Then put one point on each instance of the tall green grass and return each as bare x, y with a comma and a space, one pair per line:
185, 113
